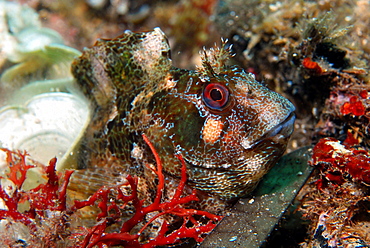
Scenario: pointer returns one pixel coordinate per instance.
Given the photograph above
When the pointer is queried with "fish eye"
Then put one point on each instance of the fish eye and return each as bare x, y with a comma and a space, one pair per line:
215, 96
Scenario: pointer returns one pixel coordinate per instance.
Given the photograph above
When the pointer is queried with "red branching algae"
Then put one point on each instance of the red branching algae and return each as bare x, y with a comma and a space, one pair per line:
43, 200
48, 218
17, 170
190, 228
49, 196
52, 195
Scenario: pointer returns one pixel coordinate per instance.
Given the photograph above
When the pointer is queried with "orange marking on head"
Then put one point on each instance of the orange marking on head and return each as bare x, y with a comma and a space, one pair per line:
212, 130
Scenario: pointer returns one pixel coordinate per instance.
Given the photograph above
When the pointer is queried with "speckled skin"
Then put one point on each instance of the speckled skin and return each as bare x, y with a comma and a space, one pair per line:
134, 89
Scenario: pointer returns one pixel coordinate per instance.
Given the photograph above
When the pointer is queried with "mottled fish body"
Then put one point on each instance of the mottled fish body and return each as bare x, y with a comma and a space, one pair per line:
229, 128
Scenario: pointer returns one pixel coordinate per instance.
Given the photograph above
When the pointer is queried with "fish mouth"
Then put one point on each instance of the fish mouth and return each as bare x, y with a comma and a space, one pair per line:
284, 129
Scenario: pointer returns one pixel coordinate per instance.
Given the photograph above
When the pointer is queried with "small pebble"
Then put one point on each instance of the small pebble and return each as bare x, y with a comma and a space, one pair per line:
233, 238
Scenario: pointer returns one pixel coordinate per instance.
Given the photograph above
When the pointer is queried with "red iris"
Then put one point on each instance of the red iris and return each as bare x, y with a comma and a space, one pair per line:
215, 96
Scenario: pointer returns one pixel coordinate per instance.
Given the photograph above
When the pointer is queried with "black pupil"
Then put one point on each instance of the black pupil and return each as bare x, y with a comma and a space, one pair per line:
216, 95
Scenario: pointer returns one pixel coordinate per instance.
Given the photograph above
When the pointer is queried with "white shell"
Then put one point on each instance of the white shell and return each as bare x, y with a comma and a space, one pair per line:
46, 126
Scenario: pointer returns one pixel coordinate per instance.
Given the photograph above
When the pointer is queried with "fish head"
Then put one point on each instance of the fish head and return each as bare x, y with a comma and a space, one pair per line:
229, 128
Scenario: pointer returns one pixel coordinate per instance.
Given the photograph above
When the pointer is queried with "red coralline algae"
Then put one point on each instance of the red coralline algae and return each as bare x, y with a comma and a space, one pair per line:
307, 63
52, 195
336, 198
44, 201
340, 161
354, 106
19, 169
347, 108
350, 140
363, 94
51, 198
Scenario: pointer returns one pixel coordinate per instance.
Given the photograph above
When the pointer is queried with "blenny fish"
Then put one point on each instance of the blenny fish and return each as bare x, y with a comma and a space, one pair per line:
229, 128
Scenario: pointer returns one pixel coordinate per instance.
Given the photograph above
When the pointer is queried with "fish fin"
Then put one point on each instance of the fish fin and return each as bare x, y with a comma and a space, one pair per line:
84, 183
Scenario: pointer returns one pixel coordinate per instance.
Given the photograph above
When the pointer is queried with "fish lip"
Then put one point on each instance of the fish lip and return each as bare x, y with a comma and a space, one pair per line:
284, 128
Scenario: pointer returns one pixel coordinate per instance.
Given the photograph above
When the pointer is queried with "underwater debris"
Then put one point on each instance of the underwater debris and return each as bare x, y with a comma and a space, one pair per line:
49, 220
185, 19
